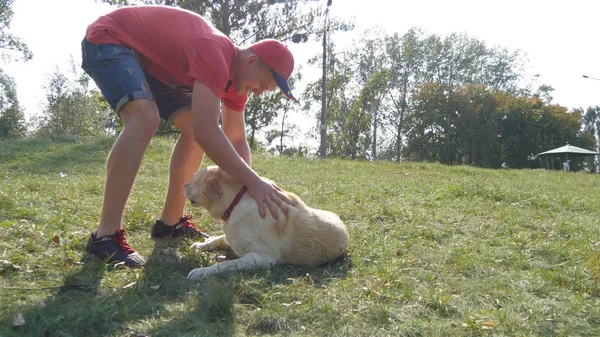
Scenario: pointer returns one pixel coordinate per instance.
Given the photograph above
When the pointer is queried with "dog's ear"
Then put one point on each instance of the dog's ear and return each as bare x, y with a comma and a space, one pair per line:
210, 187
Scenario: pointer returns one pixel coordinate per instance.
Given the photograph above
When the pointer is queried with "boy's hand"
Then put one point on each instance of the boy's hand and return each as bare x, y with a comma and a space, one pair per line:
269, 194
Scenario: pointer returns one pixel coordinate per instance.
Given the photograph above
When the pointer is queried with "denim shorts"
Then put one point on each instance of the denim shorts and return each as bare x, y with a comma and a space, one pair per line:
117, 72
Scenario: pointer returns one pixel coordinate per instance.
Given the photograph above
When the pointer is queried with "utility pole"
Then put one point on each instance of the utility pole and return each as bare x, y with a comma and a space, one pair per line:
323, 127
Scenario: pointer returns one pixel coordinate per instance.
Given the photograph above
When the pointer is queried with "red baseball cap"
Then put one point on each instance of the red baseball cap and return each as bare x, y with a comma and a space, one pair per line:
279, 58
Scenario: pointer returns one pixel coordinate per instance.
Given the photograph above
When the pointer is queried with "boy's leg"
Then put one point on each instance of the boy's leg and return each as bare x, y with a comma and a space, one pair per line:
119, 76
186, 158
140, 120
174, 106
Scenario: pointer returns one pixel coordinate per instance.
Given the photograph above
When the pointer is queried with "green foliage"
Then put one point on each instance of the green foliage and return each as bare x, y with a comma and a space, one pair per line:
262, 112
72, 111
344, 111
385, 82
294, 20
12, 118
10, 46
591, 129
279, 135
476, 125
405, 56
452, 100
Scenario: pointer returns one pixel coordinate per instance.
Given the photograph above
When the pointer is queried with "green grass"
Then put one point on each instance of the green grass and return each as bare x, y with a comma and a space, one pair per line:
434, 251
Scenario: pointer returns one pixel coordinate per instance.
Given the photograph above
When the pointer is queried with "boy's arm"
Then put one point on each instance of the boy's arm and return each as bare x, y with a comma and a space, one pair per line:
234, 127
208, 134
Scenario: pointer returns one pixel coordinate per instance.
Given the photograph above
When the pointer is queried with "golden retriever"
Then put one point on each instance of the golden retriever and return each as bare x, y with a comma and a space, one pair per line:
305, 236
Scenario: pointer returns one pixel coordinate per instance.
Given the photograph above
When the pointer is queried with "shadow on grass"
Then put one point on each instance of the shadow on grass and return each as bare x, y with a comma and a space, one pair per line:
93, 301
74, 301
214, 314
161, 301
317, 276
254, 293
196, 316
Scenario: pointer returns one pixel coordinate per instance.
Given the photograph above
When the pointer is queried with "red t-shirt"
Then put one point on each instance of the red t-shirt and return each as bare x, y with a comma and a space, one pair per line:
174, 45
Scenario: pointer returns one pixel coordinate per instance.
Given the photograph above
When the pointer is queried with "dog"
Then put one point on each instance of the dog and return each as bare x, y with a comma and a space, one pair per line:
305, 236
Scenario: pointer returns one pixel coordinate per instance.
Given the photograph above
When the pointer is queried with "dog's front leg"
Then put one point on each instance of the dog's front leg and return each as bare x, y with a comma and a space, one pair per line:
211, 243
251, 261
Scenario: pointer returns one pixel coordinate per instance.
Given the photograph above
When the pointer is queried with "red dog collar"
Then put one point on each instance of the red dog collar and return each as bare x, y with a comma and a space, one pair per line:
235, 201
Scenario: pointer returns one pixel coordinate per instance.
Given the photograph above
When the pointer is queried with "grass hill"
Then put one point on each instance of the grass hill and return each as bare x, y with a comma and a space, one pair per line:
434, 251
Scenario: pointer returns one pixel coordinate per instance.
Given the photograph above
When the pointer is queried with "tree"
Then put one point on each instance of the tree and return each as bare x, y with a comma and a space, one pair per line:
341, 101
544, 93
284, 131
11, 46
370, 100
286, 20
12, 118
372, 77
72, 110
591, 126
405, 59
433, 125
421, 133
456, 60
243, 21
529, 126
477, 125
262, 111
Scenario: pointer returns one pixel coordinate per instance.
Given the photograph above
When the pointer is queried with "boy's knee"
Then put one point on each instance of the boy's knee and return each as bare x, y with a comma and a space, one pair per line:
141, 114
151, 121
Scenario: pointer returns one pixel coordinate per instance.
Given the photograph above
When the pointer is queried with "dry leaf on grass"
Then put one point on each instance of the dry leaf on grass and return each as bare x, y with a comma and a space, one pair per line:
7, 265
488, 324
18, 320
292, 303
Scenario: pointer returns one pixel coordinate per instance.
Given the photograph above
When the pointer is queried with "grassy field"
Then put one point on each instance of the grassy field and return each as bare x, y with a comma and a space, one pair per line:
434, 251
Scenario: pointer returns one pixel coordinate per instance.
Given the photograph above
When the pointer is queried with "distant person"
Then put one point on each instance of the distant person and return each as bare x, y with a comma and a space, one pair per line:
567, 166
153, 62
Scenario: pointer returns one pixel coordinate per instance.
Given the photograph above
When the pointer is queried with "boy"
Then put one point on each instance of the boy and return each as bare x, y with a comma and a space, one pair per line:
153, 62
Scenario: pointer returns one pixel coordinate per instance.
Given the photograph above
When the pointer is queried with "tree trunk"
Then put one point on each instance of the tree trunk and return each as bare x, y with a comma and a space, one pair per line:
374, 145
226, 27
282, 133
252, 140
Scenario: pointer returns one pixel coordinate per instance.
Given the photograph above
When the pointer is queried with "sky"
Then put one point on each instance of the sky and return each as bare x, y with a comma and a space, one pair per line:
558, 38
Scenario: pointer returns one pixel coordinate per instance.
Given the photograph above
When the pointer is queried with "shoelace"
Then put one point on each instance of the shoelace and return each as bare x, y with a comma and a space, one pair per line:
187, 223
119, 239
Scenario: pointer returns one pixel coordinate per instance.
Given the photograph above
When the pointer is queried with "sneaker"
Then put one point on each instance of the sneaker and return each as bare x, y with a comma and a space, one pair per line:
183, 229
114, 249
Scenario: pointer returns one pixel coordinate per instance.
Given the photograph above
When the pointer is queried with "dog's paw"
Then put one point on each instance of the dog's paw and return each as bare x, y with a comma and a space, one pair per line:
201, 246
197, 274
